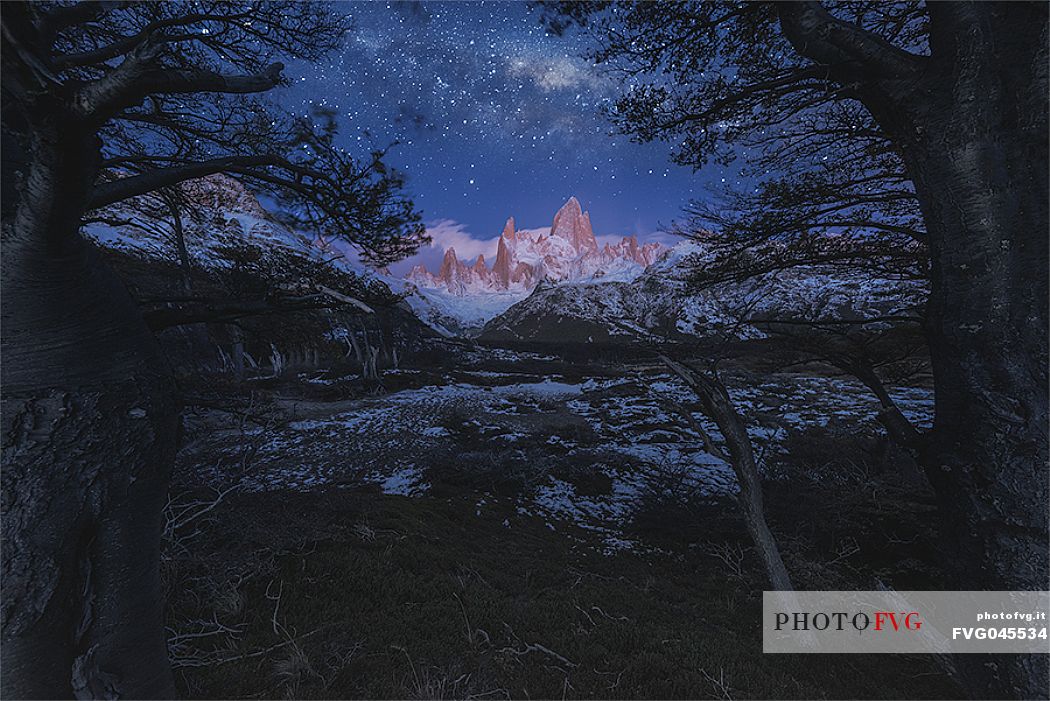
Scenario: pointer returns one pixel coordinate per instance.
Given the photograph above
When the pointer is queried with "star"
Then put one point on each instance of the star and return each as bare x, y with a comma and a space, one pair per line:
481, 89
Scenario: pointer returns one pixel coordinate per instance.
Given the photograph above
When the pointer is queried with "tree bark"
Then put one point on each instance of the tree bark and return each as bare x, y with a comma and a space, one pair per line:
88, 430
975, 142
984, 195
970, 122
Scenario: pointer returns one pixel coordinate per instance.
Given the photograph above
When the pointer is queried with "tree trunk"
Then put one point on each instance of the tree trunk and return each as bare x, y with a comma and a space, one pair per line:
976, 148
88, 426
897, 426
719, 408
238, 360
970, 121
171, 200
988, 339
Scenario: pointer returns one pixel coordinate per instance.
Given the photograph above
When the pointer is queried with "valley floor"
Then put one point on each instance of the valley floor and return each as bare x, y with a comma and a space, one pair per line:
513, 525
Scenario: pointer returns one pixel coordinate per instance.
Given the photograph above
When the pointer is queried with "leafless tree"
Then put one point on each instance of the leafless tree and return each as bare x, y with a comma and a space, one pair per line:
103, 101
739, 454
935, 114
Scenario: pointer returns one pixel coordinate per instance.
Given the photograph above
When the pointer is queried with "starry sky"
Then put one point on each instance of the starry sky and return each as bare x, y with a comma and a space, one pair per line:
494, 118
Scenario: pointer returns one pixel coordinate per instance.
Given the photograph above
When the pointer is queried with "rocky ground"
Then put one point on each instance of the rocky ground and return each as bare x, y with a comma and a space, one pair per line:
511, 524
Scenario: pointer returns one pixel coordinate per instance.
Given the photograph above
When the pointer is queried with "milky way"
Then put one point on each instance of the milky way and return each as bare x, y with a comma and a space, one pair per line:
494, 118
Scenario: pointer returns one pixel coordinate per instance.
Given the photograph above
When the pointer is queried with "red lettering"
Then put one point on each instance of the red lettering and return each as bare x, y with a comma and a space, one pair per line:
880, 616
912, 623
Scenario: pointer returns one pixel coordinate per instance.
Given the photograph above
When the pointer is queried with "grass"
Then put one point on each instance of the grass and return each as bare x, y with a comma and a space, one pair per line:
372, 596
349, 593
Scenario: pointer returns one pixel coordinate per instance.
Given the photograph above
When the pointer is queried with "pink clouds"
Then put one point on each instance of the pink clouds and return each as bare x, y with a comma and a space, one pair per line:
447, 233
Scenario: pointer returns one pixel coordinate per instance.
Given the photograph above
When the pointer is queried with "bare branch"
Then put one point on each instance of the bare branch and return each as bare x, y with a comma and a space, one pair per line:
168, 314
818, 35
131, 82
124, 188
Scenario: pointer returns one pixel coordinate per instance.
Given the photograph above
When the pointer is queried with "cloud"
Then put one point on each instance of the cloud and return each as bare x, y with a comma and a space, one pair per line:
448, 233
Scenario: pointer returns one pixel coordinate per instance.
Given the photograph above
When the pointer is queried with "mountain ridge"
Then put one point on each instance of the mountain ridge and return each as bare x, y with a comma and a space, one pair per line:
567, 250
662, 302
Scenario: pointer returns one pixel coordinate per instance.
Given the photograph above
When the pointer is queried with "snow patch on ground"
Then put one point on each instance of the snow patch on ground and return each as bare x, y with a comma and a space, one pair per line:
406, 482
388, 440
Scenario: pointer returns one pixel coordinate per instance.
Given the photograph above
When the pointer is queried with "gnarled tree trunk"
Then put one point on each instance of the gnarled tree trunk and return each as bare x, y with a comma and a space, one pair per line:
984, 188
974, 138
88, 431
979, 162
970, 121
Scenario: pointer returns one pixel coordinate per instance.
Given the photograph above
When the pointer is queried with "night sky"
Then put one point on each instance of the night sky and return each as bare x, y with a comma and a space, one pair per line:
494, 118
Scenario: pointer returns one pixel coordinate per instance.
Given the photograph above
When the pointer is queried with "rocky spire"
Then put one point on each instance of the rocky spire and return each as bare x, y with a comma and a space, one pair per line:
573, 225
568, 251
501, 269
449, 265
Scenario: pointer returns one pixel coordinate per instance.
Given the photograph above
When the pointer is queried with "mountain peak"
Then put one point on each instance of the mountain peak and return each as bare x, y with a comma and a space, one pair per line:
574, 225
569, 251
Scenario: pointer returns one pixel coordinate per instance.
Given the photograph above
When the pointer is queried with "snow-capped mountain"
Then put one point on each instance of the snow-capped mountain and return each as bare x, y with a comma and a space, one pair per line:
550, 284
220, 213
461, 297
661, 301
567, 250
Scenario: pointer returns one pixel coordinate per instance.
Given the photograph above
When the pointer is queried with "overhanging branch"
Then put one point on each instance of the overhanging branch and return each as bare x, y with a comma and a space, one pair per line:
117, 190
135, 79
163, 315
818, 35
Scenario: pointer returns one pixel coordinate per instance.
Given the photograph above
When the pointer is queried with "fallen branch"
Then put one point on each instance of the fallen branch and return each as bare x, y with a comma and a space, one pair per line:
533, 647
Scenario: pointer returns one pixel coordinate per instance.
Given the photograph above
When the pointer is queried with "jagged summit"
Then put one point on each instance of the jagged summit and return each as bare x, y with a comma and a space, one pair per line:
568, 250
508, 229
574, 225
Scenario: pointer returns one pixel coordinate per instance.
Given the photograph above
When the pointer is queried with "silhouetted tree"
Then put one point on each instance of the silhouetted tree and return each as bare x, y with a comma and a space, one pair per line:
160, 214
739, 454
149, 95
877, 352
940, 104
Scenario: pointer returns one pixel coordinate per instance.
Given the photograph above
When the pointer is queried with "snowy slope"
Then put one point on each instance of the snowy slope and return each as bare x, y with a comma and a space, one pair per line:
661, 301
451, 314
222, 215
225, 216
